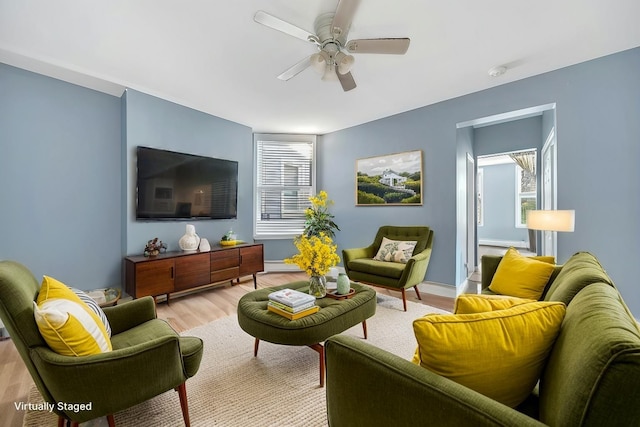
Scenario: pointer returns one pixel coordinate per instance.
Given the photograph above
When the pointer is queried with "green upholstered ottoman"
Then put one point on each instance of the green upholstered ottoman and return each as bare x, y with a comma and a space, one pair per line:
334, 317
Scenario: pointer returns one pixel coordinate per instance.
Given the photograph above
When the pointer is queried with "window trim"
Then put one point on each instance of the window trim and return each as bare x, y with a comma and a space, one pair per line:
524, 195
283, 139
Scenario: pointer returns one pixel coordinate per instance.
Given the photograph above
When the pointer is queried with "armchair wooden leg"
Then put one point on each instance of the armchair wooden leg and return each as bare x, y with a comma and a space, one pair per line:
64, 422
417, 292
404, 299
182, 392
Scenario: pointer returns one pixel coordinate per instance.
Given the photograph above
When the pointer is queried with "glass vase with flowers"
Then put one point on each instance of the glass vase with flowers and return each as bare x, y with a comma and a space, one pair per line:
316, 255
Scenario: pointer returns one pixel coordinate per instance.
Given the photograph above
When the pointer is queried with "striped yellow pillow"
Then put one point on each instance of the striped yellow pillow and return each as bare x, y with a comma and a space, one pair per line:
66, 323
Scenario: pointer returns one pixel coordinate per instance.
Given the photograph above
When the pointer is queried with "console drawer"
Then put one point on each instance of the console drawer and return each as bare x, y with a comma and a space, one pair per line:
225, 274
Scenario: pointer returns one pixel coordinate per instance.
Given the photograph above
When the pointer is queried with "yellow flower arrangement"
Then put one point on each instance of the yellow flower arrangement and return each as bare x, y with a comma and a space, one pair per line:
317, 254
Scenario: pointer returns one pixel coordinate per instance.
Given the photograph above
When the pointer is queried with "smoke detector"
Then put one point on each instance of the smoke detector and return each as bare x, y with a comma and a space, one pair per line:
497, 71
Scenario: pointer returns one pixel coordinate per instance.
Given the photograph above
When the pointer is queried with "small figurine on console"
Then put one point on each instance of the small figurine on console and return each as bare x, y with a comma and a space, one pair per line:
154, 247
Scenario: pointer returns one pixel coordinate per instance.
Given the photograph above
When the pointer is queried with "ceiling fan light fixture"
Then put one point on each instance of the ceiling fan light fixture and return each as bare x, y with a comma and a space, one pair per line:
330, 73
333, 60
344, 62
318, 62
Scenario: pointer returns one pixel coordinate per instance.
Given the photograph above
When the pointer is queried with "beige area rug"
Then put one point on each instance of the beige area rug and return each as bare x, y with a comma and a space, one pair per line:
278, 388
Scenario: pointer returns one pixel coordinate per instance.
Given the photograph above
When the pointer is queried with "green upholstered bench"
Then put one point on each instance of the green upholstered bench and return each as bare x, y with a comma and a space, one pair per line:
334, 317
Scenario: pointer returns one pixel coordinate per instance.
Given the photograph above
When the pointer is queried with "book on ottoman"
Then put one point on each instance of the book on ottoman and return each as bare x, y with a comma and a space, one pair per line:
295, 309
291, 298
292, 316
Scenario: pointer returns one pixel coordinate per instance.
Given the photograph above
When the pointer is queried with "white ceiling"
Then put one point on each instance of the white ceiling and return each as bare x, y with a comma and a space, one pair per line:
211, 55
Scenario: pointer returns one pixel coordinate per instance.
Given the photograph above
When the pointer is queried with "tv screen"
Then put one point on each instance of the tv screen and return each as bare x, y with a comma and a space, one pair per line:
179, 186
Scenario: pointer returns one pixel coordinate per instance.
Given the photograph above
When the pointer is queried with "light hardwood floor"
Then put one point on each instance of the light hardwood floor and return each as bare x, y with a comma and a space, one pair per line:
183, 313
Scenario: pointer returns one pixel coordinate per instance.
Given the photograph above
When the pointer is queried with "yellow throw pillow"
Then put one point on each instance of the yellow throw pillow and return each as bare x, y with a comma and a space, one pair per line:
66, 323
499, 353
520, 276
474, 303
395, 250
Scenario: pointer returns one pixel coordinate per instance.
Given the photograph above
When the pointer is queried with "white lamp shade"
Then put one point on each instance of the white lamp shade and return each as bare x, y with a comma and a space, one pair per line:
318, 62
330, 73
551, 220
344, 62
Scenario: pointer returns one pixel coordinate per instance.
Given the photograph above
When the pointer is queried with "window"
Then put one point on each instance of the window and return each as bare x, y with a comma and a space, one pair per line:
526, 186
284, 181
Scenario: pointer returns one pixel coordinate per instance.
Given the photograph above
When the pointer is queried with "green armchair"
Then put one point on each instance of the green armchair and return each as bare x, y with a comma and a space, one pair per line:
361, 267
148, 357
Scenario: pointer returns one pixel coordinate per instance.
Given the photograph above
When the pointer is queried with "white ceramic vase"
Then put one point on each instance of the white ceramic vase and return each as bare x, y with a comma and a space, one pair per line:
190, 241
204, 245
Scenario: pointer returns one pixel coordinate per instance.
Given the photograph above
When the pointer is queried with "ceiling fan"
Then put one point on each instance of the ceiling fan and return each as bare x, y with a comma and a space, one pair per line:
333, 59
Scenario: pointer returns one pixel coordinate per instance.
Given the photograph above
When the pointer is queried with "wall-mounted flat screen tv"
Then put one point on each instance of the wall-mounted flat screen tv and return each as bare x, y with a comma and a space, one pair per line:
179, 186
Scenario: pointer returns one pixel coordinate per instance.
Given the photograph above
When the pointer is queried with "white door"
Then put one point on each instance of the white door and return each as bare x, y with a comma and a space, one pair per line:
548, 193
471, 217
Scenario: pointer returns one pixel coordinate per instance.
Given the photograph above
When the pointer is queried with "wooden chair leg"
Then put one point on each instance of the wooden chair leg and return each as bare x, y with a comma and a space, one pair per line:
417, 292
320, 349
182, 392
63, 422
364, 328
404, 299
255, 347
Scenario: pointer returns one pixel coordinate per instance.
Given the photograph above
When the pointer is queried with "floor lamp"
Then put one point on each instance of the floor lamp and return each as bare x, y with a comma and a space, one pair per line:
551, 220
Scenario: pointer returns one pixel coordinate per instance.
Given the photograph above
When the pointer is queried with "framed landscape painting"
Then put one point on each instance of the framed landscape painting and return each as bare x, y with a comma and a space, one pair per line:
393, 179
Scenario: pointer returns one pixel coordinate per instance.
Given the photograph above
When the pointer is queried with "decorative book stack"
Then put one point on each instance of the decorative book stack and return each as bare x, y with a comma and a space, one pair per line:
292, 304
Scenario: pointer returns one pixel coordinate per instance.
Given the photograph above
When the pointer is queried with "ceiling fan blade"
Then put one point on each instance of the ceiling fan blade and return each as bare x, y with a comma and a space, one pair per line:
397, 46
271, 21
342, 19
347, 81
295, 70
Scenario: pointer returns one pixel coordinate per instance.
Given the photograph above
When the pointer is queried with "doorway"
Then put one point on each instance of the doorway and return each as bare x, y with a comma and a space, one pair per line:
506, 192
468, 141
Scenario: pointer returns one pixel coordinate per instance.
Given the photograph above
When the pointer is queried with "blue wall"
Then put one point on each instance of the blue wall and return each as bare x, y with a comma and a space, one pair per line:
516, 135
597, 106
153, 122
499, 202
60, 179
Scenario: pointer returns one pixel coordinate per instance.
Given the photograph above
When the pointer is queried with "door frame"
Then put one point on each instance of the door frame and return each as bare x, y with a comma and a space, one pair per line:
549, 190
470, 264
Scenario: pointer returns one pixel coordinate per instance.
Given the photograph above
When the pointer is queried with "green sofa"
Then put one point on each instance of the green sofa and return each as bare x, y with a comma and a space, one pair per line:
592, 376
361, 267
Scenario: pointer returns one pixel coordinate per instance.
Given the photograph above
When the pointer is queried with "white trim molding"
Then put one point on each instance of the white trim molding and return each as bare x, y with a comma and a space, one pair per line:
522, 244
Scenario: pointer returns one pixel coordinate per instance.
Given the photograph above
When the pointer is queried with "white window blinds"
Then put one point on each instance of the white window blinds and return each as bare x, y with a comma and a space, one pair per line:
285, 179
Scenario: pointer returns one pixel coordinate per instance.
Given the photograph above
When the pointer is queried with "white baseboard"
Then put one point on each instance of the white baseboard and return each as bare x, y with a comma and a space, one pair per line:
504, 243
435, 288
278, 266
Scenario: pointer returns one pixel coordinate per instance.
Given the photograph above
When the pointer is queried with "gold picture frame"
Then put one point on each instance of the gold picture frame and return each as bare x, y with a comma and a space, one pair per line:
390, 180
